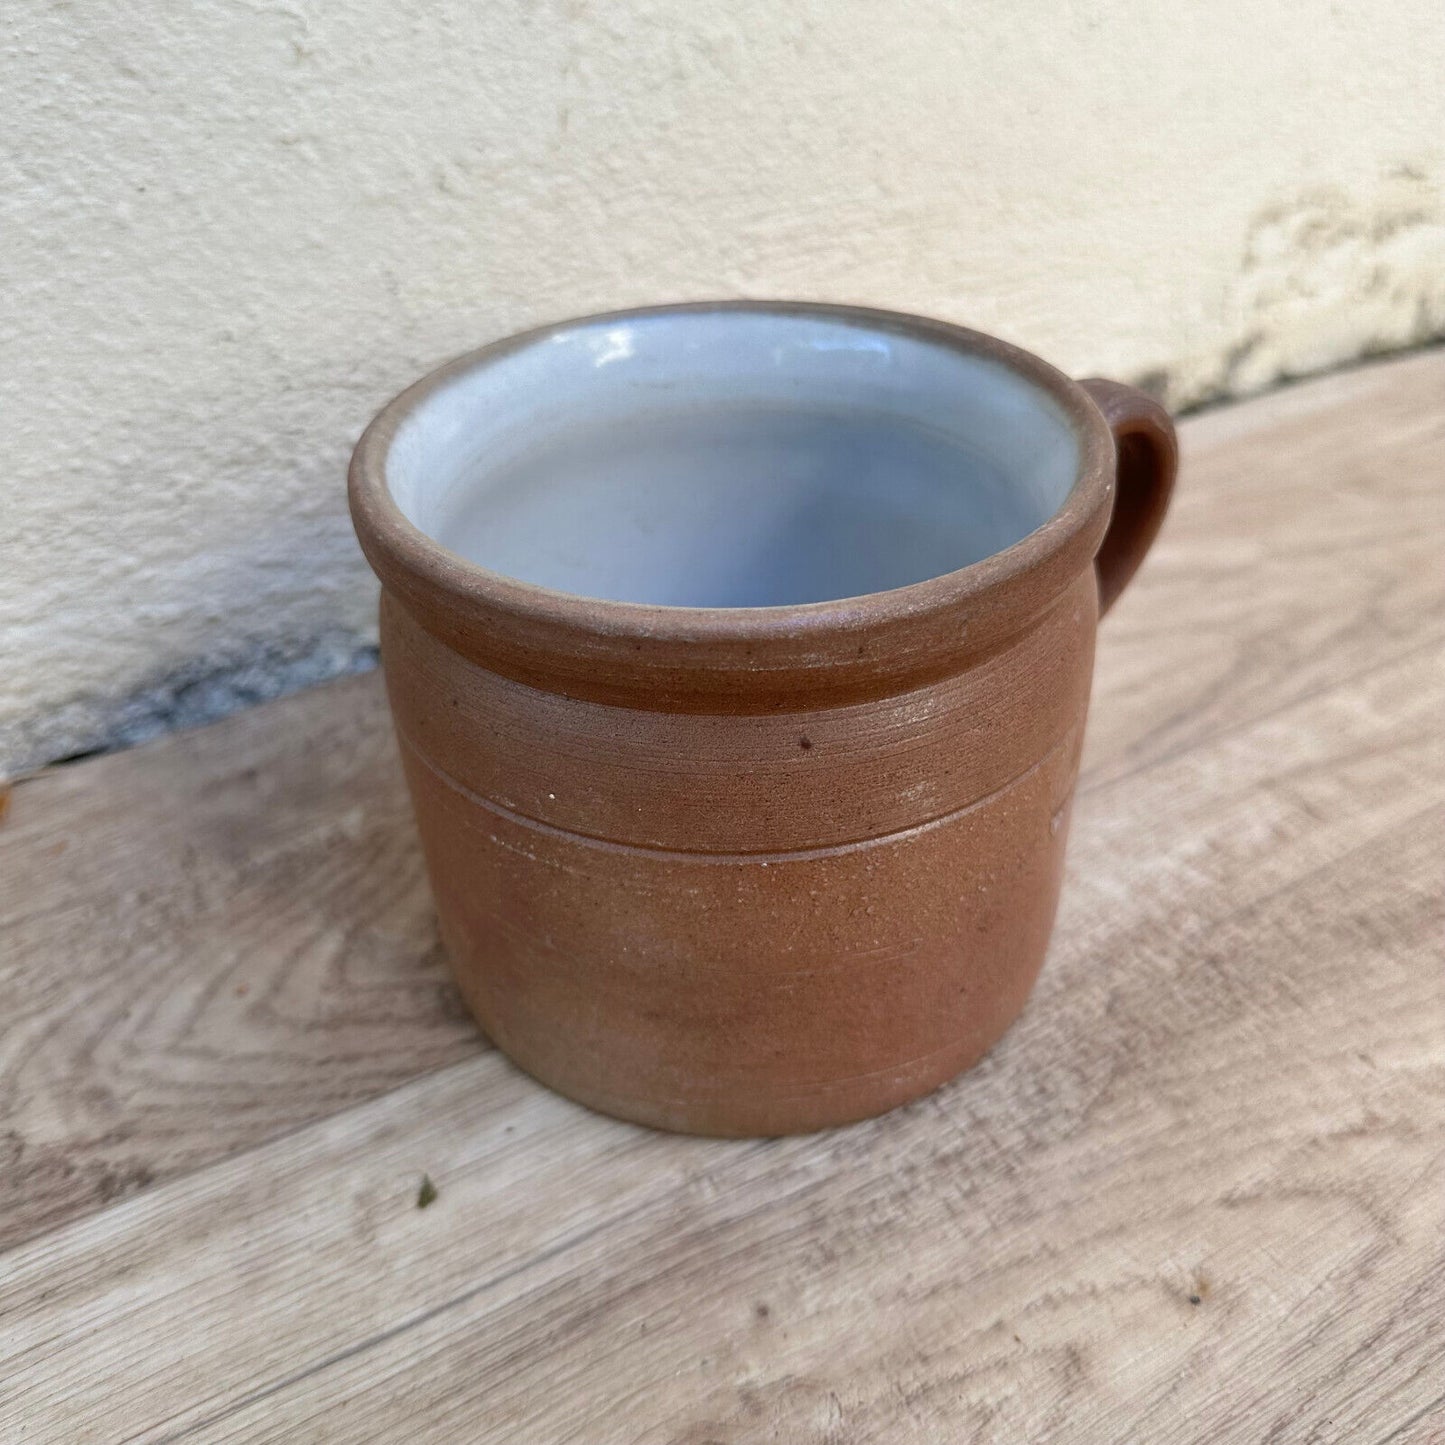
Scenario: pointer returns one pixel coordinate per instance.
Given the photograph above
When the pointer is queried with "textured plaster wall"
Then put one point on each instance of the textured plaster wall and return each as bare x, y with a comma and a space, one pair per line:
231, 228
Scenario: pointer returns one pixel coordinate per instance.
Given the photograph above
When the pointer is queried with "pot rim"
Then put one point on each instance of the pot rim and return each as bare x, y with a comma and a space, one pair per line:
569, 641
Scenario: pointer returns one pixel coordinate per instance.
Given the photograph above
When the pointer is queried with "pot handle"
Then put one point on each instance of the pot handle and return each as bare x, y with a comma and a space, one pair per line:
1148, 457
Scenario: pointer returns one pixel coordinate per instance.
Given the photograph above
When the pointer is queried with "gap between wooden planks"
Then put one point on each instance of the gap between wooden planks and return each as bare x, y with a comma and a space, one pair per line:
1230, 1086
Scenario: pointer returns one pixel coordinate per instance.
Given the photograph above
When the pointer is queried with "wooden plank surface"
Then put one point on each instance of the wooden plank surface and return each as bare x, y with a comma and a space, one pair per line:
1197, 1194
206, 942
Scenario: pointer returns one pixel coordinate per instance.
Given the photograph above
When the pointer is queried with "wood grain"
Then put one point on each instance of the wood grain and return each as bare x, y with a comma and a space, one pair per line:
205, 942
1197, 1194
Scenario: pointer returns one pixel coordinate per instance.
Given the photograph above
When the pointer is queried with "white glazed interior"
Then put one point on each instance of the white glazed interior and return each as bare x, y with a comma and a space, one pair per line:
731, 459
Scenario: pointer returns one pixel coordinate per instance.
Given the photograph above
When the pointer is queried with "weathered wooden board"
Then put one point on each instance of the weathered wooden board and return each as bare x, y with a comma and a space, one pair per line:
1197, 1194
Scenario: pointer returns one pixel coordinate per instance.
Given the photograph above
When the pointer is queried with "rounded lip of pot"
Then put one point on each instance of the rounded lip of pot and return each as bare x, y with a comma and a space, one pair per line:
649, 655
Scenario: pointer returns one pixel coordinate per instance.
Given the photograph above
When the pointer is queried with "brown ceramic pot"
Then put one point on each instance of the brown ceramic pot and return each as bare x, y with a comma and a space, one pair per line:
739, 656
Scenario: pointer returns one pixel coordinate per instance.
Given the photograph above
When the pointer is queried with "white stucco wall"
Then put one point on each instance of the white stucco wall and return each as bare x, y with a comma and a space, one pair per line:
229, 229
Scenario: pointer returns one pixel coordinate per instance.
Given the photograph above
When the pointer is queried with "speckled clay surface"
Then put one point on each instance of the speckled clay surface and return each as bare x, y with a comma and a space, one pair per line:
789, 858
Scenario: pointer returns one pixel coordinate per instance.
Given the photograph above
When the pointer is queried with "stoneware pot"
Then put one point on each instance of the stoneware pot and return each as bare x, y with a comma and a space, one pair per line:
739, 655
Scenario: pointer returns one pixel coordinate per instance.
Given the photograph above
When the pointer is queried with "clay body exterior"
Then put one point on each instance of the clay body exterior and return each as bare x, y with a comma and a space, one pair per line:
754, 869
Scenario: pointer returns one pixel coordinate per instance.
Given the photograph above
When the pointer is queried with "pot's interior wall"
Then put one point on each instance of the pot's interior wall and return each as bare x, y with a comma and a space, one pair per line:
648, 459
231, 231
